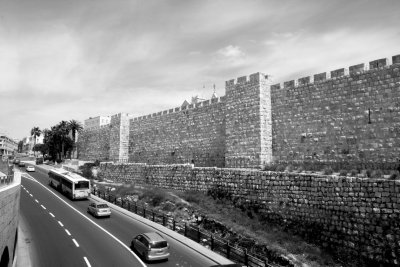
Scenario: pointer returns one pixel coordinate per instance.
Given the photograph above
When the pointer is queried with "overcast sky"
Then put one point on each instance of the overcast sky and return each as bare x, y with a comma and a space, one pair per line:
75, 59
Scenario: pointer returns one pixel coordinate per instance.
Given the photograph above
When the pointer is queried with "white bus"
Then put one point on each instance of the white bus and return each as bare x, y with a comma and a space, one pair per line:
70, 184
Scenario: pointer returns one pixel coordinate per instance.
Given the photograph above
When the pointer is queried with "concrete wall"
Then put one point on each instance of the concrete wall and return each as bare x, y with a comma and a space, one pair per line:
359, 217
9, 211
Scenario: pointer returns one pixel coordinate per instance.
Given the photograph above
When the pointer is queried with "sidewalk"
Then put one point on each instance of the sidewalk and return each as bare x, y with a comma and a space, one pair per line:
24, 250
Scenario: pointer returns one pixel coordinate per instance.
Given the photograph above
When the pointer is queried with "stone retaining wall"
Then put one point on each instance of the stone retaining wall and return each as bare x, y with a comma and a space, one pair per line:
360, 217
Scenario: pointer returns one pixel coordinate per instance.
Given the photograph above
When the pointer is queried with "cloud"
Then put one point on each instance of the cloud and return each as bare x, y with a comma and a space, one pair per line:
230, 54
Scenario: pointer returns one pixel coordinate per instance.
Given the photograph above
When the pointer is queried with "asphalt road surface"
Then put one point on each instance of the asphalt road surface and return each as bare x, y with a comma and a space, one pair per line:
64, 234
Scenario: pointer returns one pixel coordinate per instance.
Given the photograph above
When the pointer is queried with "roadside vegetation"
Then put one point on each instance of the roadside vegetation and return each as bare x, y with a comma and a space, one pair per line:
240, 225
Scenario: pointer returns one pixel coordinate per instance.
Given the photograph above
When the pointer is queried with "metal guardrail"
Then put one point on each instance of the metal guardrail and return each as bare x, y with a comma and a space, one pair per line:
235, 253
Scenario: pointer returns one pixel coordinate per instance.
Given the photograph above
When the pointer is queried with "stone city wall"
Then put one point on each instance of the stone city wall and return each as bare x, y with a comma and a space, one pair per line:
350, 115
193, 134
359, 217
344, 115
94, 144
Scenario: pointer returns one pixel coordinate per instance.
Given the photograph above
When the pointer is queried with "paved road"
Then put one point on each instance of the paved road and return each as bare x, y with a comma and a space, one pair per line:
54, 222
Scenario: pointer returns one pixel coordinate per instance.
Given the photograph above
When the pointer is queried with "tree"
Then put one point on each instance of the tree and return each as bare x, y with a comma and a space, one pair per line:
75, 127
42, 148
35, 132
20, 146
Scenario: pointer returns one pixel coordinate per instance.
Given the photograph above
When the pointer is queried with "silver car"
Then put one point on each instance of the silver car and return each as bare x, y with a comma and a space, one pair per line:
99, 209
151, 246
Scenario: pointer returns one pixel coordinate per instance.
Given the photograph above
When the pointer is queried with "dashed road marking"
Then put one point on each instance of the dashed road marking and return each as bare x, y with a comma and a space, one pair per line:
37, 201
52, 215
43, 207
97, 225
31, 195
87, 262
68, 233
60, 223
76, 243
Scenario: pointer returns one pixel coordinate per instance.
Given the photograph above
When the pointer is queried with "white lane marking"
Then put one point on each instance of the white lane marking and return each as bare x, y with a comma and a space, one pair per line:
87, 262
68, 233
27, 191
43, 207
76, 243
52, 215
60, 223
101, 228
37, 201
31, 195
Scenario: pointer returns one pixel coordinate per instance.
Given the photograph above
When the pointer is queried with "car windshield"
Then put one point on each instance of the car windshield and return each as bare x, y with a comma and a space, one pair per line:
102, 206
161, 244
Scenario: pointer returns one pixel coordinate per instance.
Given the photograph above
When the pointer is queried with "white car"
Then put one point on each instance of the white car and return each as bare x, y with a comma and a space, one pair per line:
99, 210
30, 168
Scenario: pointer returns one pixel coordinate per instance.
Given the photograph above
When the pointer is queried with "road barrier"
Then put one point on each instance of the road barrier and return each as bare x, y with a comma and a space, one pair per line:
235, 253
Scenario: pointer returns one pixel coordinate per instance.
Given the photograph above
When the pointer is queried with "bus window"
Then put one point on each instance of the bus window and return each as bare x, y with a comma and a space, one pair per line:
82, 185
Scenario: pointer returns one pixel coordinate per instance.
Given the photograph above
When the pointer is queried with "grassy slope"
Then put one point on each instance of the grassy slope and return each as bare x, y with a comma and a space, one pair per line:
294, 247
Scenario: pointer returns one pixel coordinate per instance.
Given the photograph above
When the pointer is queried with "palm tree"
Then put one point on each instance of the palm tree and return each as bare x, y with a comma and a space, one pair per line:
35, 132
75, 127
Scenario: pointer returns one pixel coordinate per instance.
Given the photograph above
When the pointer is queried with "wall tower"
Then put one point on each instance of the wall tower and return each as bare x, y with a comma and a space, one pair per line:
248, 122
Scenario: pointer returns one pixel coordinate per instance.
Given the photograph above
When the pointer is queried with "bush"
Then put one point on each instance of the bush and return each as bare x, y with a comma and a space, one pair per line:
300, 169
327, 171
343, 172
353, 172
280, 168
289, 168
394, 175
377, 174
193, 196
368, 173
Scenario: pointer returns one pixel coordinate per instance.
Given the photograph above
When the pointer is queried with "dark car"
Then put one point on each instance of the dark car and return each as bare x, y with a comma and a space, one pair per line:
21, 164
16, 161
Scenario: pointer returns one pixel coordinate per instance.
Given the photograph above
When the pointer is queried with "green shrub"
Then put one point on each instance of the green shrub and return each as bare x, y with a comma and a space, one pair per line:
353, 172
289, 168
327, 171
343, 172
193, 196
377, 174
394, 175
280, 168
300, 169
368, 173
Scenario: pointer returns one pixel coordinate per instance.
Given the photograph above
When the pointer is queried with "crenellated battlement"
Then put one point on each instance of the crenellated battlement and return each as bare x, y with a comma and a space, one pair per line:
251, 79
204, 103
338, 73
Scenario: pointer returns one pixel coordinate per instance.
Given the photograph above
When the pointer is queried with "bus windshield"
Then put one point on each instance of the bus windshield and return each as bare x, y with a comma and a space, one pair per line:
82, 185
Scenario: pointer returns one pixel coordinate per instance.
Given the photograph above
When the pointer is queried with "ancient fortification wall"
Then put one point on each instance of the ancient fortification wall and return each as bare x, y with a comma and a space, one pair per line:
188, 134
354, 115
346, 115
349, 215
94, 144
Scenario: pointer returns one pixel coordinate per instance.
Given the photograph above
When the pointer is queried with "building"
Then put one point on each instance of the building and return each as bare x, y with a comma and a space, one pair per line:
7, 145
96, 122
